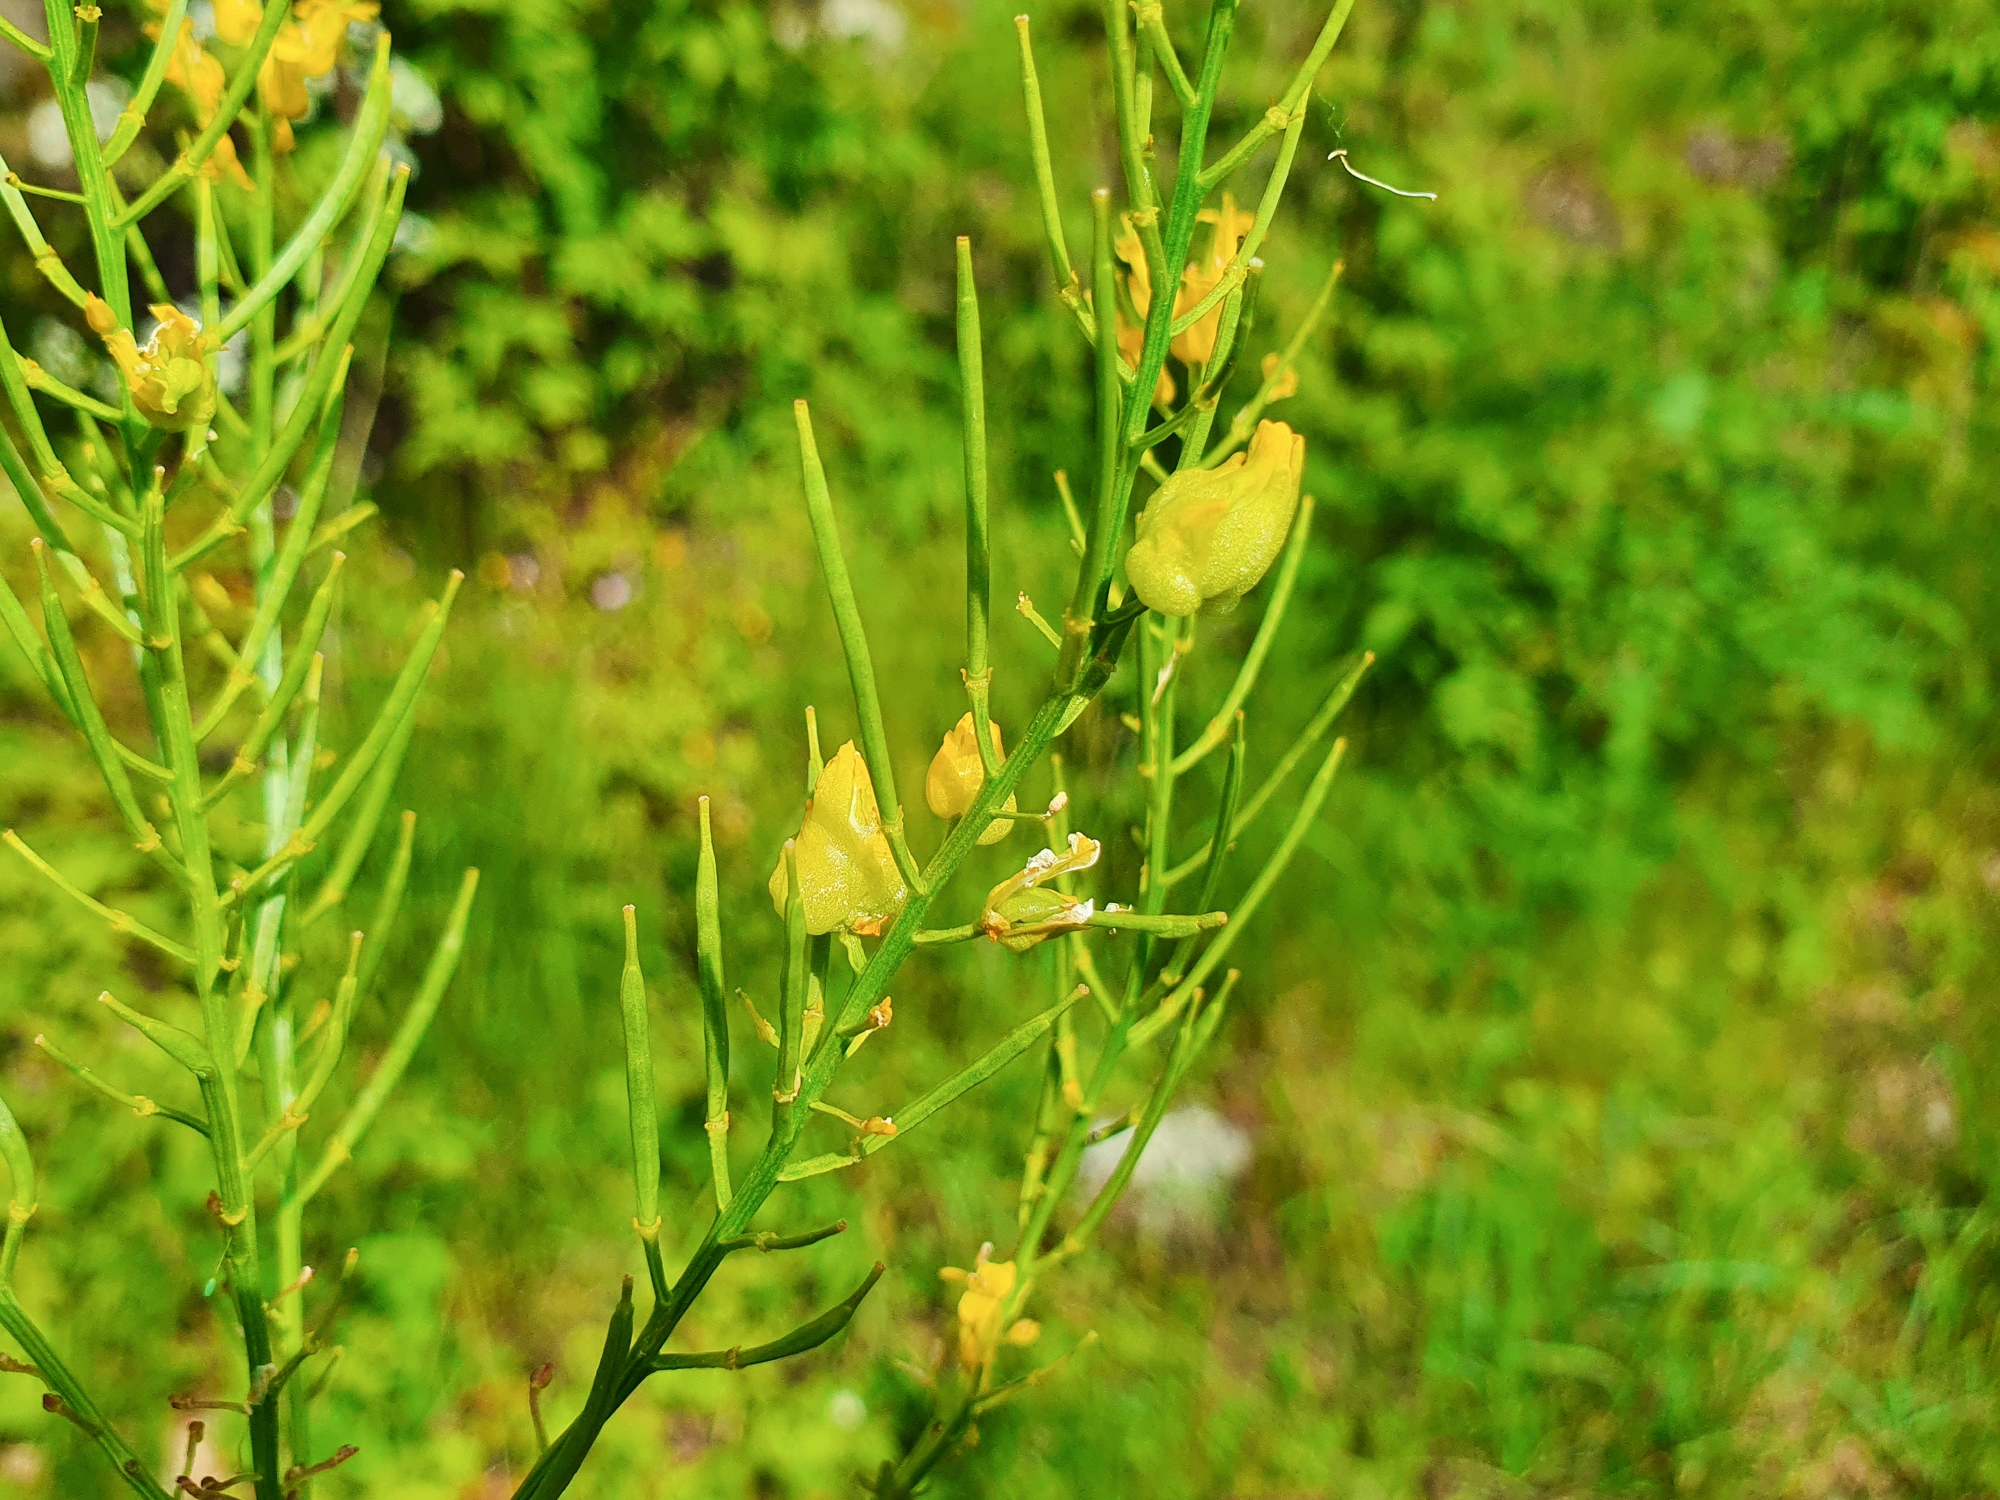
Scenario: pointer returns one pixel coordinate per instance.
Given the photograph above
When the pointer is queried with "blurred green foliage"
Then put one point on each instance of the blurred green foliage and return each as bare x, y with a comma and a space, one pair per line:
1614, 1071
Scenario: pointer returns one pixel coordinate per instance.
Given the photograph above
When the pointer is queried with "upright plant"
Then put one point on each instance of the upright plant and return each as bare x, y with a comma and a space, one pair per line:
1225, 512
144, 499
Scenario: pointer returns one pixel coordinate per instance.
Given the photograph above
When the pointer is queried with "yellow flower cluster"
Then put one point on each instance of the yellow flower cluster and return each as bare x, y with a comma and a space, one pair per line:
168, 376
1195, 345
982, 1309
1209, 535
306, 47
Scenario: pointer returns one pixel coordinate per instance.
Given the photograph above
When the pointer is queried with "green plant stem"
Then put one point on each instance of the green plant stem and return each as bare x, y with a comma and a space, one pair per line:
106, 236
554, 1471
42, 1355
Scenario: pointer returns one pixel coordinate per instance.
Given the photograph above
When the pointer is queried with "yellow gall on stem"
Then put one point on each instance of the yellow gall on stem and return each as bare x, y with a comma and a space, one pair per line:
847, 874
1210, 535
957, 773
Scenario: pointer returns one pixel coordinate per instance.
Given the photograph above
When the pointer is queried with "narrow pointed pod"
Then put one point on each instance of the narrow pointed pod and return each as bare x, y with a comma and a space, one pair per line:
1068, 289
42, 1355
96, 734
768, 1241
272, 718
853, 645
293, 1112
552, 1474
1245, 421
1134, 135
14, 380
641, 1105
1211, 880
402, 1047
333, 1038
371, 126
714, 1009
1315, 730
978, 545
15, 617
1194, 1035
276, 588
1218, 728
311, 326
24, 1197
139, 1104
183, 1047
1253, 899
1152, 20
80, 126
360, 835
388, 902
402, 696
805, 1337
1159, 690
257, 487
1239, 317
118, 920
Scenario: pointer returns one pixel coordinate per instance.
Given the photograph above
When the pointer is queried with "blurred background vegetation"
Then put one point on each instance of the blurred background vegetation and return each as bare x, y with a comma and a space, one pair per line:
1611, 1072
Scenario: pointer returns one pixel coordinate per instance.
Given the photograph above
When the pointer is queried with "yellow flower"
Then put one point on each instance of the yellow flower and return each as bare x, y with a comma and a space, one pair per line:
1209, 535
847, 875
1287, 384
1023, 910
1196, 346
306, 47
1139, 283
169, 378
236, 21
198, 75
957, 774
981, 1308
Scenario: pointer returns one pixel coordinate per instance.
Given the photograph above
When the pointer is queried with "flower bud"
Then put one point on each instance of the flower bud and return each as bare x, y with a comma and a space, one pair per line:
1209, 535
952, 784
169, 378
847, 876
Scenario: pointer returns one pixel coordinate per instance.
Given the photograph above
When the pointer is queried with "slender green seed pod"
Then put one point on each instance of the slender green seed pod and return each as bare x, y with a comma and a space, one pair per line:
640, 1103
714, 1008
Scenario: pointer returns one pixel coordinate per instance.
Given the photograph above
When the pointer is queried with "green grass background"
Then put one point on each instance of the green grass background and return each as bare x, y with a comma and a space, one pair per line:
1618, 1055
